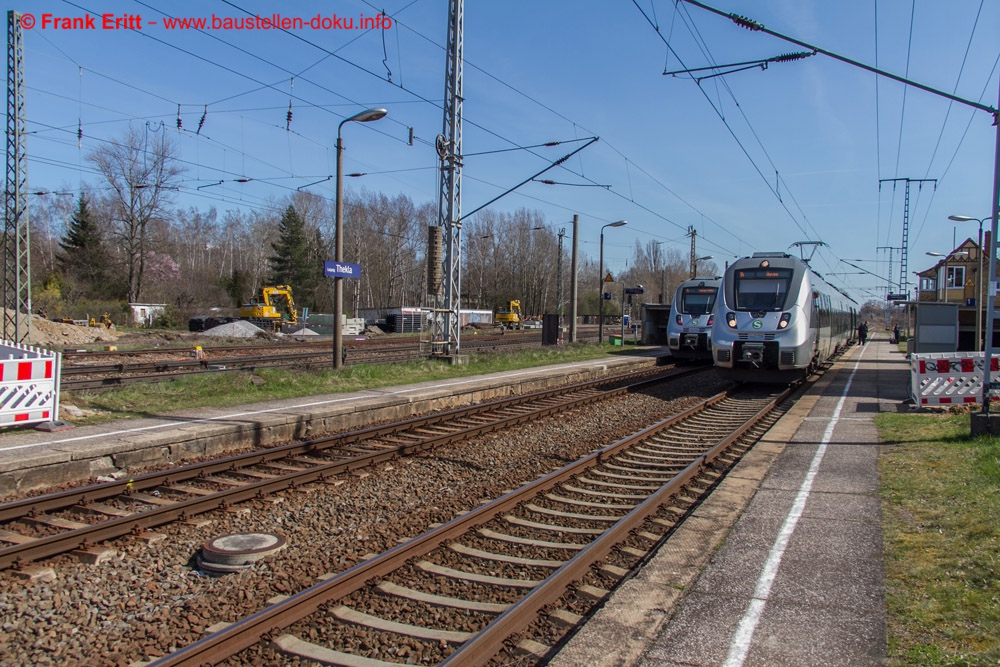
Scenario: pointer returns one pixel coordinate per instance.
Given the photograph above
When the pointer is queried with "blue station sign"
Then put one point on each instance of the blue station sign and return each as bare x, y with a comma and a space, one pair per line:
341, 270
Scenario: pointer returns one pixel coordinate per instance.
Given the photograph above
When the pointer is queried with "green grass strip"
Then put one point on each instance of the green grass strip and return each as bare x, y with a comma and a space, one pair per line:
228, 389
941, 518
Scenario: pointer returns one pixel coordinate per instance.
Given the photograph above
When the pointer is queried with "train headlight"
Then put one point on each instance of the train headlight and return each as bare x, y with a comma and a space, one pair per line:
711, 318
783, 322
731, 320
679, 320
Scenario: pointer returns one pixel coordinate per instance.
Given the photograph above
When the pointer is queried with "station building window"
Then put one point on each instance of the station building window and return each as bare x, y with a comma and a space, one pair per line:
956, 276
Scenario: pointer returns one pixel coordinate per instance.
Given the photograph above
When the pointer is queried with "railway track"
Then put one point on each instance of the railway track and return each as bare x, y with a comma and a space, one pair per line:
109, 368
505, 582
44, 526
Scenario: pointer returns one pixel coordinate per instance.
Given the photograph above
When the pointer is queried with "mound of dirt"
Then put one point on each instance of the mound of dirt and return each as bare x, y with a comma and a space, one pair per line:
58, 336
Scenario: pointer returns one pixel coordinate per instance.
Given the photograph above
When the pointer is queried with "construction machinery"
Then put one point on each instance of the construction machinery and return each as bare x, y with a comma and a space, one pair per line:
509, 316
271, 309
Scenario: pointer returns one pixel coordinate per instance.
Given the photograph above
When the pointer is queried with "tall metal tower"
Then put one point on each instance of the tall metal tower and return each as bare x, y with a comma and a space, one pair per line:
904, 278
17, 256
890, 283
694, 261
559, 284
449, 148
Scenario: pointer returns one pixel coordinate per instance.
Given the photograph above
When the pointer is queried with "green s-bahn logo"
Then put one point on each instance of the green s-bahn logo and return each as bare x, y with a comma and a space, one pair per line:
695, 321
756, 324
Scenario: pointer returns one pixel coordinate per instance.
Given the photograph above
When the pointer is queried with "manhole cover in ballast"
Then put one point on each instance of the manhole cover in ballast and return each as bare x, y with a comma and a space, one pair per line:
241, 548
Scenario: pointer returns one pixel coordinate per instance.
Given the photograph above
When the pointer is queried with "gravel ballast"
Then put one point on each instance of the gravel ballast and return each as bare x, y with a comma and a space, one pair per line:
151, 599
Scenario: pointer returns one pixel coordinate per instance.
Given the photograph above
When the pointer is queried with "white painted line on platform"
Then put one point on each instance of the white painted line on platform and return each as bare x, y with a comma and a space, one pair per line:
740, 645
249, 413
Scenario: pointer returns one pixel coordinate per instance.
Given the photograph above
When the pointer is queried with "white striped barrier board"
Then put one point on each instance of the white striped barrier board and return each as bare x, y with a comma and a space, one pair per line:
29, 384
950, 378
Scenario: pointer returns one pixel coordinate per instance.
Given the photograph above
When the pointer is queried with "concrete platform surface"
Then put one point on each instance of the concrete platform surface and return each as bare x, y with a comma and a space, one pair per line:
31, 459
783, 564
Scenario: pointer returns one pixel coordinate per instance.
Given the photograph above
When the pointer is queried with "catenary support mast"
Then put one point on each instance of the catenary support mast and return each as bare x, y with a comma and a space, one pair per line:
449, 147
17, 255
904, 279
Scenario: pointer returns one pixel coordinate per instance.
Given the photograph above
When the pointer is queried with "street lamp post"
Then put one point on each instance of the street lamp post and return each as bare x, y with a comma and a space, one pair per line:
338, 235
572, 280
701, 259
979, 277
600, 281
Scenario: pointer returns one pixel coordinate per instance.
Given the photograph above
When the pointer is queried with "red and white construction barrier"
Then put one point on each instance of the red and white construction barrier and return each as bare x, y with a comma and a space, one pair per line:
951, 378
29, 384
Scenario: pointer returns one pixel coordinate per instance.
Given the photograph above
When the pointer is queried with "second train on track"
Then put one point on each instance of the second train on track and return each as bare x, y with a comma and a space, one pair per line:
776, 319
691, 315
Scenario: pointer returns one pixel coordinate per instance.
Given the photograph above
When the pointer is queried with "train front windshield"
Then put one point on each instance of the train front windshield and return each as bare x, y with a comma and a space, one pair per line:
698, 300
762, 289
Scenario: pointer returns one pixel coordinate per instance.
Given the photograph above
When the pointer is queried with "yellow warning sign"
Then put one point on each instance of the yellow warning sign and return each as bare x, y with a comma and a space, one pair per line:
608, 278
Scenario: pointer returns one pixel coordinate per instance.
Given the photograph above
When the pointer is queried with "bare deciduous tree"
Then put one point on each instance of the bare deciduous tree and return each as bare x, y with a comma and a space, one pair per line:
141, 170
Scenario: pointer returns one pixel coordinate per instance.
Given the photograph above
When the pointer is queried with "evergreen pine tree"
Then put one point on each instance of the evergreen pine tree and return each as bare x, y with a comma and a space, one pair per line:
84, 257
291, 263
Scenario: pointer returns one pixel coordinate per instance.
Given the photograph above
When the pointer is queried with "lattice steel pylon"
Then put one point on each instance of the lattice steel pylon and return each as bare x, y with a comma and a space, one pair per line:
449, 147
904, 279
694, 262
17, 255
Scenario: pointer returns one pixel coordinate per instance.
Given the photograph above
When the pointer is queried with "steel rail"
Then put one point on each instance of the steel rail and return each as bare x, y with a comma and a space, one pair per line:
19, 554
65, 499
481, 648
269, 622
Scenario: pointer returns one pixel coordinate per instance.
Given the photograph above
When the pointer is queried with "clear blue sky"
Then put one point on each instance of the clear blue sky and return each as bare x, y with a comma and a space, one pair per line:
799, 158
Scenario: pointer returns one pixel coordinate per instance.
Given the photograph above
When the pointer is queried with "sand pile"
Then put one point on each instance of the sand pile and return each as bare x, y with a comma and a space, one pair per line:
58, 336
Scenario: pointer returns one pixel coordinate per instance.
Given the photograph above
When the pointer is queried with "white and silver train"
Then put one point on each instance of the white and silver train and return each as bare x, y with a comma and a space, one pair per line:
691, 313
776, 319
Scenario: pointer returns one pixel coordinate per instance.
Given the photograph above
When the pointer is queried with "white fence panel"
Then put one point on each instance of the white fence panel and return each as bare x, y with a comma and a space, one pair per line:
948, 378
29, 384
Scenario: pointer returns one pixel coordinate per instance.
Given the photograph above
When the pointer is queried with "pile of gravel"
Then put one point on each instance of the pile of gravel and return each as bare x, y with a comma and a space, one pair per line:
237, 329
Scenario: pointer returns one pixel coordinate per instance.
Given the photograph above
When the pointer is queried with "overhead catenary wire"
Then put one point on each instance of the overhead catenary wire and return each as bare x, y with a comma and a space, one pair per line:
418, 95
902, 109
688, 21
333, 54
642, 192
731, 132
272, 86
755, 26
560, 115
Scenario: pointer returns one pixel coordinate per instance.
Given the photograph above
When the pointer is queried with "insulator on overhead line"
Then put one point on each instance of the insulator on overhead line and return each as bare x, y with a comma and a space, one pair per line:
202, 121
787, 57
180, 124
744, 22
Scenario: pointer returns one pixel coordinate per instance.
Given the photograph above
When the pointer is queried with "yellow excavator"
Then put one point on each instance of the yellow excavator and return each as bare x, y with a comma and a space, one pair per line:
509, 316
271, 309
